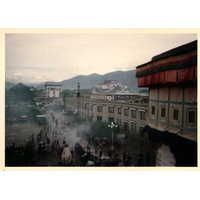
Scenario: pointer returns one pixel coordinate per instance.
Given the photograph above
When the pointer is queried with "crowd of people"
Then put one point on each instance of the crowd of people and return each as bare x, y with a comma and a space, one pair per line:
49, 142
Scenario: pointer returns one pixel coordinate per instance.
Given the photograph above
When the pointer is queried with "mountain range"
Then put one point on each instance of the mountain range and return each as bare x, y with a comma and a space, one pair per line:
127, 78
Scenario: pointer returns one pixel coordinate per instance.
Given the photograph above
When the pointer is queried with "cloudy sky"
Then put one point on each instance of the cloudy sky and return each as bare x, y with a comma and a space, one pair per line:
36, 58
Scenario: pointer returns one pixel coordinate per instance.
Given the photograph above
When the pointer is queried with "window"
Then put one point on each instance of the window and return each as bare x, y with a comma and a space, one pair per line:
133, 126
191, 117
153, 110
142, 115
111, 109
142, 131
119, 121
175, 114
125, 126
163, 112
120, 111
110, 119
125, 111
133, 113
99, 108
99, 118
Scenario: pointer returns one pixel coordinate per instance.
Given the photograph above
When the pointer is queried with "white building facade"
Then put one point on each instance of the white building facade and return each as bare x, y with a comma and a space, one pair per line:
131, 116
53, 90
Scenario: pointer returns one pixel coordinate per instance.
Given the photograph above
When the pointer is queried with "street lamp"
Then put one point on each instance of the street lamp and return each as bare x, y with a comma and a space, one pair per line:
112, 125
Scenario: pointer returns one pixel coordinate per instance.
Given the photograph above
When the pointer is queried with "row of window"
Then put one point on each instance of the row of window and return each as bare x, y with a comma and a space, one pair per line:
110, 110
133, 113
54, 92
126, 112
111, 119
190, 114
54, 89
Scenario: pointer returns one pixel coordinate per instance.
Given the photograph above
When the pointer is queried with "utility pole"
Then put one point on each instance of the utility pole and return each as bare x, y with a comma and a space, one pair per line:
78, 95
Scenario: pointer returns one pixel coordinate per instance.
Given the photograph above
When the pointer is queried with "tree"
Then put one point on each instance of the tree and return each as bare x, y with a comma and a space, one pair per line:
20, 93
144, 90
101, 129
32, 113
64, 94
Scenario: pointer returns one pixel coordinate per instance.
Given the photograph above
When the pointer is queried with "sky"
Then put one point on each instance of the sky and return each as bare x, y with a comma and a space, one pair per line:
34, 58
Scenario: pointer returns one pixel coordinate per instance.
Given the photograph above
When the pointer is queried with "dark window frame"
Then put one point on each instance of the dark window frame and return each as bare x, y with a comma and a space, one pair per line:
133, 113
133, 126
142, 115
126, 112
191, 119
99, 109
153, 110
111, 109
175, 114
119, 111
110, 119
99, 118
163, 112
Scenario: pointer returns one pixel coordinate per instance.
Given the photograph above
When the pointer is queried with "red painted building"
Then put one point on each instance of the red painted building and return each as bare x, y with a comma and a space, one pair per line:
172, 122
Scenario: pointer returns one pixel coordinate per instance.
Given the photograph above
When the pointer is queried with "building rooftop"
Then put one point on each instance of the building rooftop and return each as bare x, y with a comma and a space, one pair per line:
173, 66
173, 52
52, 84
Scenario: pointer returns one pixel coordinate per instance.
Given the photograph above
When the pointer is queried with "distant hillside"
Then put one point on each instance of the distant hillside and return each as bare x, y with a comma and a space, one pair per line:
9, 85
18, 93
87, 82
127, 78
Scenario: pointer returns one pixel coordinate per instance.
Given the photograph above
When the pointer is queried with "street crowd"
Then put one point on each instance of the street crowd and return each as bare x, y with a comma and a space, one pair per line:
49, 146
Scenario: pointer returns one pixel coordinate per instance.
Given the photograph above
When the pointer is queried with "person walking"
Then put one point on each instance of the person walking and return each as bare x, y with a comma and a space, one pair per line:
66, 156
64, 141
124, 157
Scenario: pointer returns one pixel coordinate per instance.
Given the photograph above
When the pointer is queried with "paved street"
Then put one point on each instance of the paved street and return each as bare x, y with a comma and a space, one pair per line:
62, 128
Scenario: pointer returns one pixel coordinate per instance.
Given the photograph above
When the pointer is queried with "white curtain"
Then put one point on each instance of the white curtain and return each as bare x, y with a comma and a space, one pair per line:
190, 94
163, 93
153, 93
176, 93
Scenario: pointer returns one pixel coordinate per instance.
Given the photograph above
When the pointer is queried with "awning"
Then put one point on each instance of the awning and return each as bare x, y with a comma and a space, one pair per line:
190, 136
171, 136
133, 109
134, 122
140, 110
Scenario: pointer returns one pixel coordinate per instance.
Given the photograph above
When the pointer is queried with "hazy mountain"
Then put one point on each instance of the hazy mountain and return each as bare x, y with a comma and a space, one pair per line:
9, 85
19, 86
127, 78
18, 93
